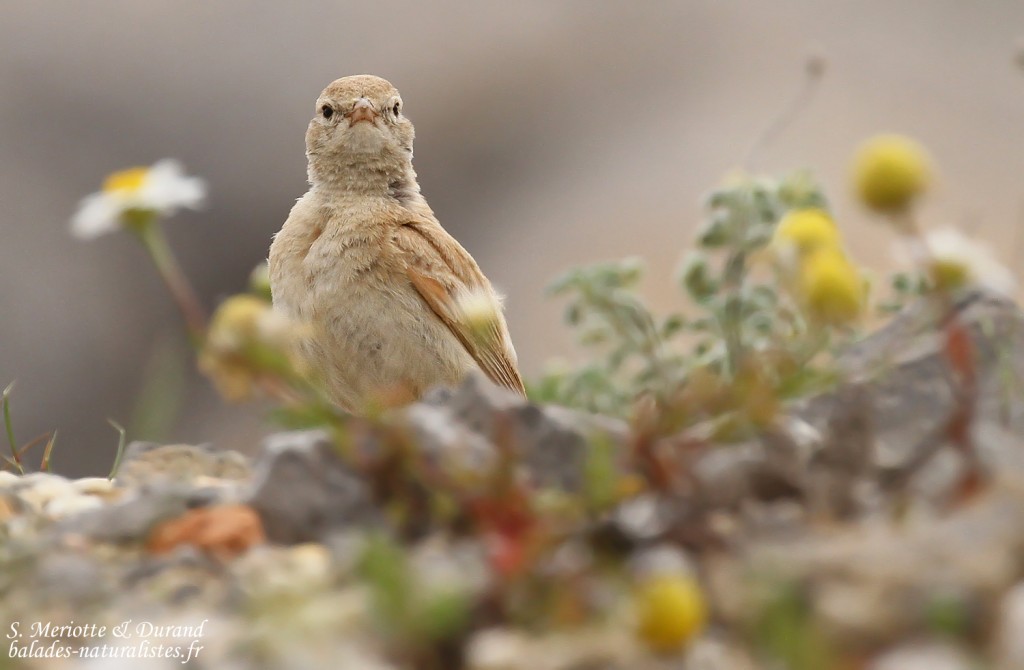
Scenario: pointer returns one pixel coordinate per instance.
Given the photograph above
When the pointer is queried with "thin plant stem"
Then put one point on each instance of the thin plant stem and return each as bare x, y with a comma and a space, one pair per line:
813, 71
735, 271
155, 242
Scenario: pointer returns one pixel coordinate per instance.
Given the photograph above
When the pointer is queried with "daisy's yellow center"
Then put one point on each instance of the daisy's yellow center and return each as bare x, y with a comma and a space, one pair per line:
950, 274
126, 181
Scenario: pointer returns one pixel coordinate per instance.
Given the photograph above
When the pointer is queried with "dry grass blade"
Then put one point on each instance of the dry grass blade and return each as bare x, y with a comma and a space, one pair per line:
9, 427
120, 448
44, 464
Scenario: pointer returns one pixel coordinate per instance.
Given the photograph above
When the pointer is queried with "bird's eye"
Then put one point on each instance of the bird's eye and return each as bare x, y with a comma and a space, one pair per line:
396, 108
327, 111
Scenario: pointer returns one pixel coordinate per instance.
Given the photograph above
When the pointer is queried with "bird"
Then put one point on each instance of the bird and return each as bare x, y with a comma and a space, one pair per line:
393, 305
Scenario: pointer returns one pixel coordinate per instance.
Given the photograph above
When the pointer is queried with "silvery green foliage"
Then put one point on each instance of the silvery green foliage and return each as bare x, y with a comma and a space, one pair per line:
636, 352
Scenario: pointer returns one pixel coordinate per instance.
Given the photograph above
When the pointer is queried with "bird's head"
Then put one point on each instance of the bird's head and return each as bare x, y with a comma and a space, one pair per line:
359, 126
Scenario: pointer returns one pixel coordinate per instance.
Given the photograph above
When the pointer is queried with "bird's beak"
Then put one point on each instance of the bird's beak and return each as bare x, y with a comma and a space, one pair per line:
362, 111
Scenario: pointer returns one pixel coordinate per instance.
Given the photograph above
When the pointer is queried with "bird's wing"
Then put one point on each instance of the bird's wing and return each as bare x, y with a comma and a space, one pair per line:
443, 272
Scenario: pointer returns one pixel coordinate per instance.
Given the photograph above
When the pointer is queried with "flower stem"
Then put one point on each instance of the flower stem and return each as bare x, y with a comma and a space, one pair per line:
152, 237
732, 311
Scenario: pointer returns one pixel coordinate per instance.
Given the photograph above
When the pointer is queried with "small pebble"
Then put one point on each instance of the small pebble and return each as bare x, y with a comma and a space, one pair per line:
923, 656
8, 508
496, 649
39, 488
1010, 631
65, 506
100, 486
661, 559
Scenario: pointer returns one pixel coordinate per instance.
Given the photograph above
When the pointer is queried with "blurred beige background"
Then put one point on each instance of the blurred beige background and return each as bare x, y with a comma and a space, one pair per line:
550, 133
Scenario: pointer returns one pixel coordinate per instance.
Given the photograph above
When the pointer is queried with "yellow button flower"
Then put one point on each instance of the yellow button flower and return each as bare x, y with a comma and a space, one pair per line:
803, 231
889, 171
247, 339
671, 611
831, 289
237, 322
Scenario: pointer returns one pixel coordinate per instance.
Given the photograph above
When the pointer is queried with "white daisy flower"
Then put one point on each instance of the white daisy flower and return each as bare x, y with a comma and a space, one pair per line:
161, 189
956, 261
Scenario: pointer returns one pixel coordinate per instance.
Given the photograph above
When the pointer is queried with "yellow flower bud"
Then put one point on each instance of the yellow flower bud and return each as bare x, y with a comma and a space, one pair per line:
889, 171
671, 611
831, 289
805, 230
259, 281
236, 322
247, 339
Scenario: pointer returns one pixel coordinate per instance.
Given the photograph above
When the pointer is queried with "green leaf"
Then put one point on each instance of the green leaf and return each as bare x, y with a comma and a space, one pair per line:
305, 416
800, 190
717, 233
696, 277
440, 616
600, 475
384, 567
672, 325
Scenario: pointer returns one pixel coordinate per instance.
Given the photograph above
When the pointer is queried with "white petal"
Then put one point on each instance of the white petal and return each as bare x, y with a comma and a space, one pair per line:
97, 214
167, 188
999, 278
983, 268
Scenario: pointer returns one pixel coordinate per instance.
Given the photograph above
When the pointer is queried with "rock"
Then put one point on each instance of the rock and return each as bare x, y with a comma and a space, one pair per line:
222, 531
10, 507
924, 656
711, 653
130, 519
467, 422
443, 567
59, 508
643, 517
871, 583
725, 473
591, 647
147, 463
304, 492
96, 486
662, 559
185, 576
70, 578
38, 489
902, 373
496, 649
1009, 641
301, 569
